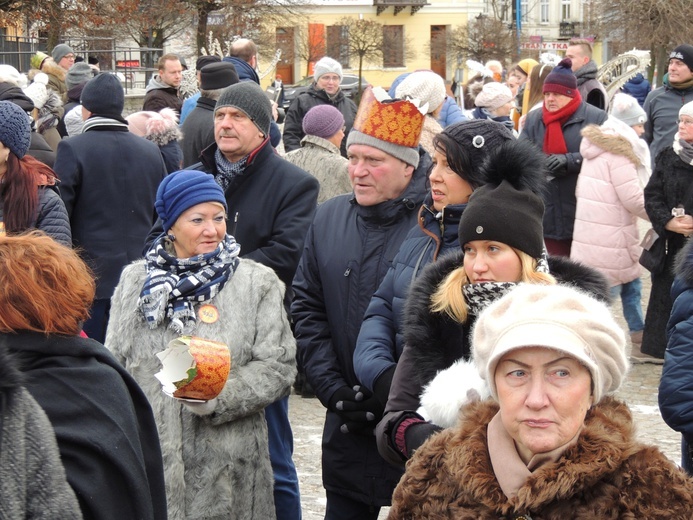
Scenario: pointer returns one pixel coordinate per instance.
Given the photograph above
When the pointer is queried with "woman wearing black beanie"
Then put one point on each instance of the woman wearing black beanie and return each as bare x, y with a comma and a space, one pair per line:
501, 236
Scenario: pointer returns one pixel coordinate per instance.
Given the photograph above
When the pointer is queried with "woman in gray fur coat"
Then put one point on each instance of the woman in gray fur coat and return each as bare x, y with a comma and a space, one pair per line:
216, 455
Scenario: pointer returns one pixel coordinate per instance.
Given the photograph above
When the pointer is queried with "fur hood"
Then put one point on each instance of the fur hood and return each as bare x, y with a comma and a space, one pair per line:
604, 139
431, 357
607, 474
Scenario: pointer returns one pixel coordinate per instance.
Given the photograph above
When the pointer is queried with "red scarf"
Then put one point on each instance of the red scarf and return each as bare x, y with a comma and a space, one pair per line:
554, 121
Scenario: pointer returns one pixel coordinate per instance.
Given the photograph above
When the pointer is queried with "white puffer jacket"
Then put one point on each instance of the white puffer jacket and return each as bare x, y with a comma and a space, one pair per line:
610, 197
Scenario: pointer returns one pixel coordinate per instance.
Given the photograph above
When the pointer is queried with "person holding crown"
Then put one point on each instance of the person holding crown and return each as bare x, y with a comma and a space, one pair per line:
347, 252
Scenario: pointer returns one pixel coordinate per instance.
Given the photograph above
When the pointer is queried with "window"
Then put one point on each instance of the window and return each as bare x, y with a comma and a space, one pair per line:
544, 11
393, 46
338, 44
565, 10
524, 9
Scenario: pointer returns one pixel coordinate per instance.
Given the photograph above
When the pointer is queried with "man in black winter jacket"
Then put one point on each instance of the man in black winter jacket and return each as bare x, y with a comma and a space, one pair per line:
348, 250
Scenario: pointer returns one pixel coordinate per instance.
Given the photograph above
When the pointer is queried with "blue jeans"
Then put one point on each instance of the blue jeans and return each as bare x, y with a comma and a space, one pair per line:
287, 499
630, 301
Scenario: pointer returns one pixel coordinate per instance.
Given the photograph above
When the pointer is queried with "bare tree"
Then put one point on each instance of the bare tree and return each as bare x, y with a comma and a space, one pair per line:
311, 47
483, 38
365, 42
657, 25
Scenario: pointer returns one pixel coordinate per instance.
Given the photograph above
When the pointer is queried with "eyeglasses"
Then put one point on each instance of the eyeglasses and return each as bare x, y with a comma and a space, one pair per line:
685, 122
69, 56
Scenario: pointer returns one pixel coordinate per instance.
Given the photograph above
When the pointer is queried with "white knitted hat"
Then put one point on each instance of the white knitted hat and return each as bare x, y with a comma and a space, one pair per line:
557, 317
687, 109
327, 65
493, 96
424, 85
627, 109
37, 90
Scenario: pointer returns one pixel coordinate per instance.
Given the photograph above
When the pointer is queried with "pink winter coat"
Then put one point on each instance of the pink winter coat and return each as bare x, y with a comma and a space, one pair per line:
609, 199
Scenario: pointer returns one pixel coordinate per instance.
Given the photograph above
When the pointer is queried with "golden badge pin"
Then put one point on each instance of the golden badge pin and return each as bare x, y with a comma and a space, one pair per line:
208, 314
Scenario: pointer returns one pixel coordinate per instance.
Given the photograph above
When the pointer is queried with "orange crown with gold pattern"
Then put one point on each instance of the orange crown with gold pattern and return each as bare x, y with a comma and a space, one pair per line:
391, 125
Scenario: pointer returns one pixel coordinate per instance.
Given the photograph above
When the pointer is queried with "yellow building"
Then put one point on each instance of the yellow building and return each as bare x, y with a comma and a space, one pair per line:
414, 31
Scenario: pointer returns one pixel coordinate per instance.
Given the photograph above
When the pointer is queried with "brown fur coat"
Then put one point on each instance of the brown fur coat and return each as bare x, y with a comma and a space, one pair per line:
606, 475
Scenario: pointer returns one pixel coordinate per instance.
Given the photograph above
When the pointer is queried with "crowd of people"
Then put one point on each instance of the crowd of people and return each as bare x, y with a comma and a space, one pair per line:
438, 276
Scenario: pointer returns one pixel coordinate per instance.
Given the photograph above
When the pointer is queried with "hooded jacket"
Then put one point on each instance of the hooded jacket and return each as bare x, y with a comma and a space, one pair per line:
293, 124
434, 341
160, 95
638, 87
32, 477
591, 90
347, 252
609, 199
607, 474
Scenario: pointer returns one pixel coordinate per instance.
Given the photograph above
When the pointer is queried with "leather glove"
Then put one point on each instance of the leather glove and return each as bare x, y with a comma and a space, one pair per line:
202, 407
557, 164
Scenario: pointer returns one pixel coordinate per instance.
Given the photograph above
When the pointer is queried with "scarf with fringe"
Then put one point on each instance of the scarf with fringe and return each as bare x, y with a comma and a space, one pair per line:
174, 285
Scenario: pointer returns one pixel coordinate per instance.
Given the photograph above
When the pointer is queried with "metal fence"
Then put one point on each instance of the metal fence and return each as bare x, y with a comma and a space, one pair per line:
134, 65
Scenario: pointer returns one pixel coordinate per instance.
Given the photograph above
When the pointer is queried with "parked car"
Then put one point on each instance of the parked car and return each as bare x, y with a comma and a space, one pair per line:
349, 85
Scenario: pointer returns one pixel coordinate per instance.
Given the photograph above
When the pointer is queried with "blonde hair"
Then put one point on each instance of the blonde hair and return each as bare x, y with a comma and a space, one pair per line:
449, 298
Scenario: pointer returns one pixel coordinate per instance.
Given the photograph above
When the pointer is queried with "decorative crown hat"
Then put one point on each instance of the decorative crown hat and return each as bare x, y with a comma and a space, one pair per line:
392, 120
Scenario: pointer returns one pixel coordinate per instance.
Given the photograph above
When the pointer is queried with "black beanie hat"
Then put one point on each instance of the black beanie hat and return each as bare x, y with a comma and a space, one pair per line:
561, 79
684, 53
104, 96
504, 214
206, 60
218, 75
478, 138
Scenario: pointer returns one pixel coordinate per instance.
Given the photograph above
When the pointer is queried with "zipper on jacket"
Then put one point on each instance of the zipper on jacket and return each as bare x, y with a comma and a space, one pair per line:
348, 271
235, 222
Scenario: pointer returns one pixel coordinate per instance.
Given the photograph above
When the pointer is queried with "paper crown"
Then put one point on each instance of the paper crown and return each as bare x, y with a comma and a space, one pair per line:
395, 121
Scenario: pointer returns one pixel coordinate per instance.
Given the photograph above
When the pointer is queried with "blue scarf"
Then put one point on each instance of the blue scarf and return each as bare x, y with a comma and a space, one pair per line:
174, 285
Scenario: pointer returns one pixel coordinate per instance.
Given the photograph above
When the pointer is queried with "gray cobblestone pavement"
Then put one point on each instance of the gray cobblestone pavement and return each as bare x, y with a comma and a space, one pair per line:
639, 391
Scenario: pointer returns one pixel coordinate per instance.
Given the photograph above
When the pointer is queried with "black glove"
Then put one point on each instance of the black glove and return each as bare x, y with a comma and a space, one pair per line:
382, 385
417, 434
342, 395
359, 409
557, 164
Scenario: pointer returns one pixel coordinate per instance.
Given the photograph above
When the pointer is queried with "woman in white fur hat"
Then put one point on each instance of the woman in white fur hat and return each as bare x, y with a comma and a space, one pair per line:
551, 443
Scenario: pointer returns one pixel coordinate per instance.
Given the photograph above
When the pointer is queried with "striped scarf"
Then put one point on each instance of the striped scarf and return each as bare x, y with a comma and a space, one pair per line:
174, 285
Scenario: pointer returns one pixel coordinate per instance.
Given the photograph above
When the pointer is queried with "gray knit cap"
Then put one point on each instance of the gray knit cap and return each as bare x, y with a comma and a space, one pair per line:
79, 73
403, 153
248, 97
60, 51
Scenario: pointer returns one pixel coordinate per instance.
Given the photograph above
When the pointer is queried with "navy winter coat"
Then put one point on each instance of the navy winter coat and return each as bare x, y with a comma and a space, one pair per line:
676, 384
434, 235
348, 251
560, 202
109, 177
638, 87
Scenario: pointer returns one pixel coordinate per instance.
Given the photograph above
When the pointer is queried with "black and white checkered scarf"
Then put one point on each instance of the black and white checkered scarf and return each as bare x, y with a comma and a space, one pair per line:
174, 285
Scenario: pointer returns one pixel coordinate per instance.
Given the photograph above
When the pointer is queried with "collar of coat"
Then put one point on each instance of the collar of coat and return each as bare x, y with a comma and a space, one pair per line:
606, 441
420, 324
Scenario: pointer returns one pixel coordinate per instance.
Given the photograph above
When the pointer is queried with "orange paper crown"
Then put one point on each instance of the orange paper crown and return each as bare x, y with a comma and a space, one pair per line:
398, 122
